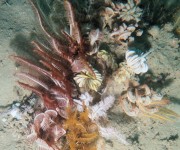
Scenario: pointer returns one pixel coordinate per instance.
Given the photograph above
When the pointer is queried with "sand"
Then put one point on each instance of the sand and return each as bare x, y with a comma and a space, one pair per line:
17, 22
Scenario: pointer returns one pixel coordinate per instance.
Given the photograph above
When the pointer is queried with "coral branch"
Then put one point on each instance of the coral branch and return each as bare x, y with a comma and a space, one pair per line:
33, 78
40, 19
111, 133
99, 110
24, 61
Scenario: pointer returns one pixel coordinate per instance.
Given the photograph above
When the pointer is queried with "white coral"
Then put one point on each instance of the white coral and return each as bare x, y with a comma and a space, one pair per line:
98, 110
137, 63
101, 108
85, 99
111, 133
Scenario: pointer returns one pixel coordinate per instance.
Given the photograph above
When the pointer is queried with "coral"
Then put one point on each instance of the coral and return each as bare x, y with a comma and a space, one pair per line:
123, 34
107, 59
122, 74
69, 119
120, 11
54, 84
137, 63
111, 133
46, 130
98, 110
140, 99
107, 15
122, 18
53, 92
82, 133
94, 38
129, 11
61, 64
84, 99
87, 81
101, 108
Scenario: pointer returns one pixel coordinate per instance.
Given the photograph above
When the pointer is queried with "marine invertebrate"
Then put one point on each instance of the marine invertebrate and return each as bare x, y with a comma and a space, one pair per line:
129, 11
140, 99
122, 74
108, 59
98, 112
86, 81
52, 91
120, 11
100, 109
110, 133
55, 84
106, 17
122, 18
82, 133
84, 99
137, 63
94, 37
123, 34
46, 130
82, 138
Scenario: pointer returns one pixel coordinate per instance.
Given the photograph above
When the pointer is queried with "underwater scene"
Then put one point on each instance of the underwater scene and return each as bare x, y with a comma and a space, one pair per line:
90, 74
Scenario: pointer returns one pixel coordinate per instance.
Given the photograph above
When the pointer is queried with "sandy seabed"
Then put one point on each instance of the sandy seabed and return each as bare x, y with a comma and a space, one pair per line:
17, 22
